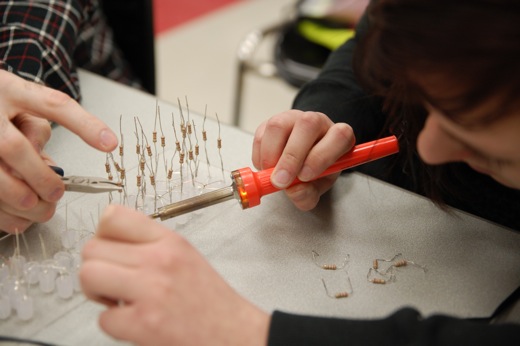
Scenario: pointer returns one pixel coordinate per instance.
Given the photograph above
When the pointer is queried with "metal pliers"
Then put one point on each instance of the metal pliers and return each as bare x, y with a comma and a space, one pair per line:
87, 184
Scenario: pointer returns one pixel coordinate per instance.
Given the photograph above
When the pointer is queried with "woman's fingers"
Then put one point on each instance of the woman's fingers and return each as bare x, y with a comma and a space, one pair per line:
308, 130
301, 144
338, 140
306, 196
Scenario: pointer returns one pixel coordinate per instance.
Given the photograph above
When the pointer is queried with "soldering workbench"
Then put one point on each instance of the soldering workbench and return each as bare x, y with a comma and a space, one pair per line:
267, 253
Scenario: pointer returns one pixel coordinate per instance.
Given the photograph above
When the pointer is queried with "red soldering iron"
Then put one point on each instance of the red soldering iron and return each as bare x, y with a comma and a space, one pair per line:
248, 187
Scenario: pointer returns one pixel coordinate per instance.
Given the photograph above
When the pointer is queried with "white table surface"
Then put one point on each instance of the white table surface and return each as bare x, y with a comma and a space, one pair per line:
265, 252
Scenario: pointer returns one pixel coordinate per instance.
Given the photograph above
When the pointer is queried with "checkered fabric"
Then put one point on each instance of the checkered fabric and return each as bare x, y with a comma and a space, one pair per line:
45, 41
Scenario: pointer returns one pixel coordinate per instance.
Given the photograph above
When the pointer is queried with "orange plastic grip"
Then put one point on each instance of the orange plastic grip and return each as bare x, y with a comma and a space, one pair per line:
254, 185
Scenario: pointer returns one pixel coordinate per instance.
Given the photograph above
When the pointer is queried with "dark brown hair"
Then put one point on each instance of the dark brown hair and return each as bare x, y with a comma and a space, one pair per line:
453, 54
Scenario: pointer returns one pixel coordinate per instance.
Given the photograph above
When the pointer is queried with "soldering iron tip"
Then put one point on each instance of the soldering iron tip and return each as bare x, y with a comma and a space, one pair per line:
155, 215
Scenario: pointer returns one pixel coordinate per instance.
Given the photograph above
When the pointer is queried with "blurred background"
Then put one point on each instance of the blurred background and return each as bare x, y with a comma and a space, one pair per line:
196, 45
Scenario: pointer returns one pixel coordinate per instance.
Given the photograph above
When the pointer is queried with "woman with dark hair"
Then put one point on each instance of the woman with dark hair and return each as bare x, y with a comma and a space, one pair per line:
442, 75
420, 57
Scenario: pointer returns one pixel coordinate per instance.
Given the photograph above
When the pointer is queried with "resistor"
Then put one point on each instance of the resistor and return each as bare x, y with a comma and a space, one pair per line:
329, 266
121, 150
163, 141
196, 150
137, 149
400, 263
123, 171
139, 178
170, 173
378, 281
183, 131
107, 167
154, 137
219, 143
118, 168
190, 155
341, 295
152, 180
110, 177
189, 128
375, 265
178, 146
204, 135
142, 164
149, 150
181, 158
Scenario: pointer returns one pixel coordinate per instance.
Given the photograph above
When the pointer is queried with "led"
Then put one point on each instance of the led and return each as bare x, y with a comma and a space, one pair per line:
5, 307
47, 276
25, 308
31, 272
65, 285
16, 263
63, 259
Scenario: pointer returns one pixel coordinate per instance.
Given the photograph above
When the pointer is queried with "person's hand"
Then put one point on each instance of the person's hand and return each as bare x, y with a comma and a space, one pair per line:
159, 290
29, 188
301, 144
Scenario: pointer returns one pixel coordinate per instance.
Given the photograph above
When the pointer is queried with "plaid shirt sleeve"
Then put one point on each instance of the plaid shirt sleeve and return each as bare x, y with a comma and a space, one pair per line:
45, 41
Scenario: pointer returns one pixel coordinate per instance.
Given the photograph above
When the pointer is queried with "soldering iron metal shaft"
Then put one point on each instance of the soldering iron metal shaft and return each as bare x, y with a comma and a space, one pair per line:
194, 203
248, 187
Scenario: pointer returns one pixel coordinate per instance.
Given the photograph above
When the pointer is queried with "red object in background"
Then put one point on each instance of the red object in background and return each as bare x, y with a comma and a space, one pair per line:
171, 13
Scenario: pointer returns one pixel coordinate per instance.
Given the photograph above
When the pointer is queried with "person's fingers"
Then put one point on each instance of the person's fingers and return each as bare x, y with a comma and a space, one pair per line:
127, 225
17, 153
309, 128
306, 196
115, 321
41, 212
47, 159
111, 251
14, 192
36, 130
51, 104
338, 140
276, 133
13, 224
257, 145
102, 280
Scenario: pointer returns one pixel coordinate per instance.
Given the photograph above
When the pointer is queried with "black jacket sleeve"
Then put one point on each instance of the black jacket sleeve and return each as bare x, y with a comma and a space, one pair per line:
405, 327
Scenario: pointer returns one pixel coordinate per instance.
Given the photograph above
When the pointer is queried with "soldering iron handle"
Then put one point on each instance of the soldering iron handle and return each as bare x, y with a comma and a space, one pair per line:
258, 184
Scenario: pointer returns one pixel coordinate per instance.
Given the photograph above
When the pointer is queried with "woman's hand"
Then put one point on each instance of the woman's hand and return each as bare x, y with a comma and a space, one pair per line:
159, 290
29, 188
301, 144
